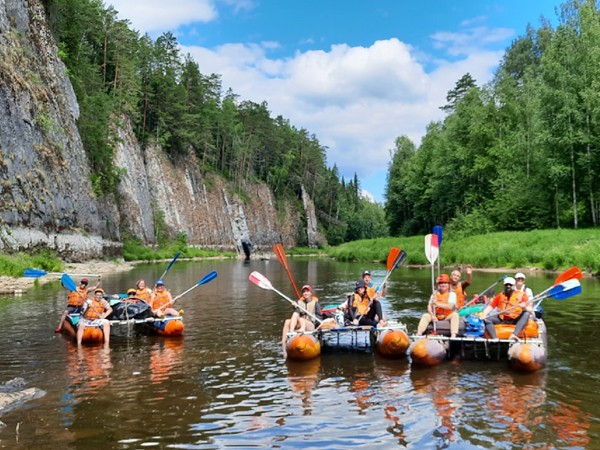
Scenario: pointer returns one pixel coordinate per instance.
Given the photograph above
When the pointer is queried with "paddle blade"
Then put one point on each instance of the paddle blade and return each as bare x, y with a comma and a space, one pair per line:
260, 280
392, 257
573, 272
68, 282
439, 232
280, 253
173, 261
432, 249
568, 293
207, 278
34, 273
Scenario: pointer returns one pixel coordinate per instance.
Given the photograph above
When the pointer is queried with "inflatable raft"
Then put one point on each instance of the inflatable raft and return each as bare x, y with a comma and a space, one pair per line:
91, 335
391, 341
528, 354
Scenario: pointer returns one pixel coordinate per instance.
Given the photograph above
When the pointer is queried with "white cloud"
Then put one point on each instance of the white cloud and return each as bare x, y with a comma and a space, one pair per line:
356, 100
155, 16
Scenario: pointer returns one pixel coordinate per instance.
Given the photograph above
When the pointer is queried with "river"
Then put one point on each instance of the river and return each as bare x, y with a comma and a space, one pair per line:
225, 384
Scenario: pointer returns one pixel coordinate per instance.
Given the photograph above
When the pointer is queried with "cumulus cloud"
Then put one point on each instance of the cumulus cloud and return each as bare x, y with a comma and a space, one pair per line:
158, 16
356, 100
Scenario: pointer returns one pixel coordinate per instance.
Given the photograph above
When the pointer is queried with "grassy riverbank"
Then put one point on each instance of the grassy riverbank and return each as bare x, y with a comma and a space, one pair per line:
540, 249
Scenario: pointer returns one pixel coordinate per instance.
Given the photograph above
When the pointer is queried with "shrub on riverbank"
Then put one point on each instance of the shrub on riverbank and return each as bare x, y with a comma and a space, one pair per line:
542, 249
15, 265
134, 250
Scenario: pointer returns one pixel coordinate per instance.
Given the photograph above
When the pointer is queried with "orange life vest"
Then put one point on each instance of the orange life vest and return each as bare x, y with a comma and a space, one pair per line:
442, 313
144, 294
510, 305
361, 303
95, 309
371, 290
460, 294
78, 298
160, 299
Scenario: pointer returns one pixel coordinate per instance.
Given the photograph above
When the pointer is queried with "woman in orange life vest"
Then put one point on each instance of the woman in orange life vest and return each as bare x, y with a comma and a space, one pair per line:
442, 306
300, 321
514, 307
95, 312
76, 300
362, 310
458, 287
143, 293
162, 301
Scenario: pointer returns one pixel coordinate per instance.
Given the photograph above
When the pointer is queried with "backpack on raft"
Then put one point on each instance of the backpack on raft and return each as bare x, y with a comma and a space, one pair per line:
127, 310
474, 326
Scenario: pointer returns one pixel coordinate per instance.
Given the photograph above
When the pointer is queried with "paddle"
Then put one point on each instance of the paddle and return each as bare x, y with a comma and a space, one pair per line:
571, 273
432, 251
478, 296
37, 273
262, 282
439, 232
282, 257
560, 291
170, 264
206, 279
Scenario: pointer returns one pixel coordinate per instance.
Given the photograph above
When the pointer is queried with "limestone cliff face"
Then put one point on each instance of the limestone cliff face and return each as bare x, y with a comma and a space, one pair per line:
47, 198
202, 206
46, 188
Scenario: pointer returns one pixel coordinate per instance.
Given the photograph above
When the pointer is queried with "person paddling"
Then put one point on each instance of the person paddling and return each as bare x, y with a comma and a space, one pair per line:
95, 312
76, 300
441, 307
300, 320
162, 301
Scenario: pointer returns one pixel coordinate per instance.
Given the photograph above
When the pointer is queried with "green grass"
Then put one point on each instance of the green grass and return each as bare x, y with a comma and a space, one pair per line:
15, 265
134, 250
542, 249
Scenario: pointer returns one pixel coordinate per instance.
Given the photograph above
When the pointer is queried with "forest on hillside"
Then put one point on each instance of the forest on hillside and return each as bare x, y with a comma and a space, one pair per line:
520, 153
119, 74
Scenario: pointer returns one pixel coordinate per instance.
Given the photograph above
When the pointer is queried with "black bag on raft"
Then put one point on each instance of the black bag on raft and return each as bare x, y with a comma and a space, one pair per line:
130, 310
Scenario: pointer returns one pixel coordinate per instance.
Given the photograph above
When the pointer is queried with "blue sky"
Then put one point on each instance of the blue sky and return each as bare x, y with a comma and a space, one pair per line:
355, 73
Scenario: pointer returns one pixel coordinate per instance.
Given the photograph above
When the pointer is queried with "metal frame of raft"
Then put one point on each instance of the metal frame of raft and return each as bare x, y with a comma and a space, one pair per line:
356, 339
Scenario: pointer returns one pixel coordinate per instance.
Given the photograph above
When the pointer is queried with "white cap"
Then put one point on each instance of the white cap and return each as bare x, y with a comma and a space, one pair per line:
509, 280
520, 275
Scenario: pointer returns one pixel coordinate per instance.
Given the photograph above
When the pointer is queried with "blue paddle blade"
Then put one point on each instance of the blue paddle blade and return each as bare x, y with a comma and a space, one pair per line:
68, 282
567, 293
34, 273
173, 260
439, 231
208, 277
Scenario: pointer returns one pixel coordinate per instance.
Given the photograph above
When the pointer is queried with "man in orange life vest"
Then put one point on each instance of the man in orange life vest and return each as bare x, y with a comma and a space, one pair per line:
76, 300
459, 287
95, 312
513, 307
442, 306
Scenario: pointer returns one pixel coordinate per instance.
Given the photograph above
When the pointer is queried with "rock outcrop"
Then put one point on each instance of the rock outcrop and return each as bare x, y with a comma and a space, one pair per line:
47, 197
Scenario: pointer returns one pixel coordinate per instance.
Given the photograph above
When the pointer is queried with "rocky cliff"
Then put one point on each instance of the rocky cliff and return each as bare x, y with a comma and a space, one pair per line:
47, 198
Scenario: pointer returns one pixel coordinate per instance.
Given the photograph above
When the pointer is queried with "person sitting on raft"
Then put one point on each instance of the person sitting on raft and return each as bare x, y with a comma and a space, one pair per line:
76, 300
514, 308
362, 310
441, 307
300, 320
144, 293
95, 312
162, 301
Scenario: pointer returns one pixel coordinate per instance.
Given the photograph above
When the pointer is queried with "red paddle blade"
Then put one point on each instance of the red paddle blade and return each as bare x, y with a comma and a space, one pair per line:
573, 272
392, 257
260, 280
432, 249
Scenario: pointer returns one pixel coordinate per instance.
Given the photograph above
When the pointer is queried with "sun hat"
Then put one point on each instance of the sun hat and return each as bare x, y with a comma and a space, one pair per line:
509, 280
443, 278
306, 287
520, 275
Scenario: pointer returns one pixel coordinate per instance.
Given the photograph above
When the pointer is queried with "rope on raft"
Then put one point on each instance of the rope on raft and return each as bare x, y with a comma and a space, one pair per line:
149, 319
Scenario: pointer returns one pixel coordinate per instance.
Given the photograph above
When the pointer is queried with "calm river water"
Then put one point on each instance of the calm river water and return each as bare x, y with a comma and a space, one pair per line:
225, 384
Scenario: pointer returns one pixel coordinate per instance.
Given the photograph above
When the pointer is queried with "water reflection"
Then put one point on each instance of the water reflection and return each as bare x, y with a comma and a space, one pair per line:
88, 370
165, 355
303, 377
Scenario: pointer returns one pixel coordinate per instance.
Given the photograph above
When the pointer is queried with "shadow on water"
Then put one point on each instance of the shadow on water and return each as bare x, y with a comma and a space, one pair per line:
225, 384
